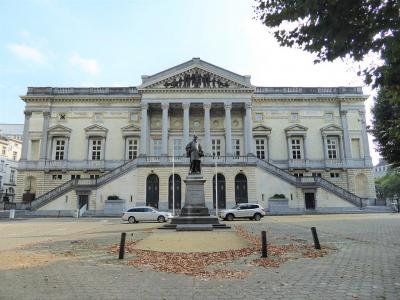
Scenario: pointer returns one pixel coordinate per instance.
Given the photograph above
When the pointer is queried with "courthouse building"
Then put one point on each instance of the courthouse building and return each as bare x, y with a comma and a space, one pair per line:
83, 145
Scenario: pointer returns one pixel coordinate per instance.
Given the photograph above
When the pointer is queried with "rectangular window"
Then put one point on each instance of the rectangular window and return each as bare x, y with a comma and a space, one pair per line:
12, 176
236, 147
296, 148
334, 175
298, 174
59, 145
355, 148
94, 176
328, 116
294, 117
14, 155
260, 148
75, 176
259, 117
216, 147
133, 148
96, 149
178, 147
332, 147
56, 176
156, 147
316, 175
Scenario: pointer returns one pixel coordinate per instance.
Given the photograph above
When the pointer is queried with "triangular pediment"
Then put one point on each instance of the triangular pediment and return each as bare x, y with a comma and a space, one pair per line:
198, 75
95, 129
261, 128
130, 130
296, 127
331, 128
59, 130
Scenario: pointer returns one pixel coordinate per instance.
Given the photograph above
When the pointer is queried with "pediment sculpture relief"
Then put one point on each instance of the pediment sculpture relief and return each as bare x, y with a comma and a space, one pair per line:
196, 79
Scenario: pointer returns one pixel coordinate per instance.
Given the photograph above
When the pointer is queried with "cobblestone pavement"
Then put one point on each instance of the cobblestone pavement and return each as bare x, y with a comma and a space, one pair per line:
365, 265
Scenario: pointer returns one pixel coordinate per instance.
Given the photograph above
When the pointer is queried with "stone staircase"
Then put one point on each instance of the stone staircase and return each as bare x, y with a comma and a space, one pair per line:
84, 182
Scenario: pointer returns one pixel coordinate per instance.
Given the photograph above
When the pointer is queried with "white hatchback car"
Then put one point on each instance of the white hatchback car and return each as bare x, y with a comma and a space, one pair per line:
145, 213
253, 211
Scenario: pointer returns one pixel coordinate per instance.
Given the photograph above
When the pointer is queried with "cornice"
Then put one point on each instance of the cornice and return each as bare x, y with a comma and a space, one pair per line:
80, 98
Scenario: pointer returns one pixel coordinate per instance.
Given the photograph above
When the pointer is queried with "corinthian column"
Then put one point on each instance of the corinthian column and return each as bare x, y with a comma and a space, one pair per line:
143, 129
164, 141
207, 135
228, 129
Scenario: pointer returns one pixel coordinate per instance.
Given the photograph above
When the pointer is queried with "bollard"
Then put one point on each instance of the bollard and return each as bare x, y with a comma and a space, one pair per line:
264, 252
315, 237
122, 246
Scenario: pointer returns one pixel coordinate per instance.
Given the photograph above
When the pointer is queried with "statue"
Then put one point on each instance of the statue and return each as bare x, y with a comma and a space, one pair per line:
195, 152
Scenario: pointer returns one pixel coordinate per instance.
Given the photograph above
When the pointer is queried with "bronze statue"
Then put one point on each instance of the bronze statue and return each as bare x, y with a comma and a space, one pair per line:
195, 152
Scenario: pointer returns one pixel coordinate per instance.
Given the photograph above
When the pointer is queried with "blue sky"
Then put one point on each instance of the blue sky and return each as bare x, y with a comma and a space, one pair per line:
113, 43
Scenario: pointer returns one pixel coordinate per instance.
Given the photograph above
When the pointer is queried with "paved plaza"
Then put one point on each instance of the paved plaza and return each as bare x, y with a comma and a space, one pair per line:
68, 259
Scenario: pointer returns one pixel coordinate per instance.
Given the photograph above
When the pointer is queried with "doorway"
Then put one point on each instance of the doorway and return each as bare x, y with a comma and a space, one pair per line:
82, 200
152, 191
221, 191
310, 200
241, 188
177, 192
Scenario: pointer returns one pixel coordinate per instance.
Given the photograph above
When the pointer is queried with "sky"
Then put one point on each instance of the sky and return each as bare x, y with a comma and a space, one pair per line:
112, 43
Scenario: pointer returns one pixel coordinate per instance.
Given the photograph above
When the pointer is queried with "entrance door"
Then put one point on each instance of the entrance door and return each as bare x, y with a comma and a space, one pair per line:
177, 184
152, 191
221, 191
82, 200
241, 189
310, 200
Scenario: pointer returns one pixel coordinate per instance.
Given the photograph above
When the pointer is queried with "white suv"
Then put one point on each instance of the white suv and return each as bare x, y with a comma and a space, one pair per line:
253, 211
145, 213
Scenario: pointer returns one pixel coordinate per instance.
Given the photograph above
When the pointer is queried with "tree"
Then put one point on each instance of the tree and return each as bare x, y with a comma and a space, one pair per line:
386, 125
334, 29
340, 28
388, 186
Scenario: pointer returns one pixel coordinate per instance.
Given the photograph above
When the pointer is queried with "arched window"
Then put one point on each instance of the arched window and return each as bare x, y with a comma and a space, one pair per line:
221, 194
241, 188
178, 191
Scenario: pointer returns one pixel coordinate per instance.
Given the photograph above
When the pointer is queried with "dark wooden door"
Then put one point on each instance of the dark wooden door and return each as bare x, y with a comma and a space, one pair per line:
178, 192
241, 189
152, 191
310, 200
84, 199
221, 191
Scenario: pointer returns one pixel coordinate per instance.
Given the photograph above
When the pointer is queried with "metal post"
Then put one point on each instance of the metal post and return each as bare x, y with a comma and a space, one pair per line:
398, 206
315, 237
264, 251
173, 178
216, 190
122, 246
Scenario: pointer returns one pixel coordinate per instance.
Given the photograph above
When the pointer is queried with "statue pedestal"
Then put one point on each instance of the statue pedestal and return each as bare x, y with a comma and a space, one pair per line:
195, 211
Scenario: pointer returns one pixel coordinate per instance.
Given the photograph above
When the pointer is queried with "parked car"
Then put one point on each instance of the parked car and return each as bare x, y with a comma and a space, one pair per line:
145, 213
253, 211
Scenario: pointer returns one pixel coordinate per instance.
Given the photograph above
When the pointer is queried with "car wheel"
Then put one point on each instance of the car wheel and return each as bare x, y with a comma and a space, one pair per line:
257, 217
161, 219
132, 220
229, 217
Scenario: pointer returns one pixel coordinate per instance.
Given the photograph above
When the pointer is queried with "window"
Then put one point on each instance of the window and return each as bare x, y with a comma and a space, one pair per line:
12, 176
56, 176
94, 176
14, 155
294, 117
335, 175
134, 117
259, 117
96, 149
156, 147
296, 148
132, 145
260, 148
216, 147
59, 149
3, 150
332, 145
316, 175
355, 148
75, 176
98, 117
177, 146
298, 174
236, 147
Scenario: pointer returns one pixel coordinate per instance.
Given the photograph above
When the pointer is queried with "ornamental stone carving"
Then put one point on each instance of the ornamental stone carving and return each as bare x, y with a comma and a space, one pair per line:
196, 79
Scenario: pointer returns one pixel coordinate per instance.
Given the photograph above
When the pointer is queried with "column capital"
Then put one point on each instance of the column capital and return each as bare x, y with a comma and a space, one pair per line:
186, 105
164, 105
228, 105
46, 114
361, 112
207, 106
27, 113
248, 105
144, 105
343, 112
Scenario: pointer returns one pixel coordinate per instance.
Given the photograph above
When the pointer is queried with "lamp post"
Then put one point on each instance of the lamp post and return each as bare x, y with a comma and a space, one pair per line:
173, 179
216, 189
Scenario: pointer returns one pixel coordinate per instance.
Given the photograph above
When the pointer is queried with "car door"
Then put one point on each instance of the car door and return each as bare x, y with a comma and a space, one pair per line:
148, 214
242, 211
139, 214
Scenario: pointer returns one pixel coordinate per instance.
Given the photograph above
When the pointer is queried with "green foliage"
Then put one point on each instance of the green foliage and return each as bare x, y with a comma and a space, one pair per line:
386, 125
340, 28
388, 186
279, 196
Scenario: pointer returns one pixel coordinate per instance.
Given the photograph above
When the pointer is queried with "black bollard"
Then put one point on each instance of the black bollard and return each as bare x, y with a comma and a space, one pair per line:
264, 251
315, 237
122, 246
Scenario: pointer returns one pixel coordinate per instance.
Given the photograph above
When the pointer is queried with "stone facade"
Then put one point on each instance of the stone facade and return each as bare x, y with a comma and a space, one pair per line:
74, 136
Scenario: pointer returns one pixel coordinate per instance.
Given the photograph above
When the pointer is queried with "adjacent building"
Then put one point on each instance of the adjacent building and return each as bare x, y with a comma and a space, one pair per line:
83, 145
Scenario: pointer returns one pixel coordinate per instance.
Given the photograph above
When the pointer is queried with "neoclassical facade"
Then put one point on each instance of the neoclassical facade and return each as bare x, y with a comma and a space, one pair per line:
83, 145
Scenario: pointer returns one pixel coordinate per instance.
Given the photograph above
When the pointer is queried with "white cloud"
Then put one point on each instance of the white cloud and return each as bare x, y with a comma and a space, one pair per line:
88, 65
27, 53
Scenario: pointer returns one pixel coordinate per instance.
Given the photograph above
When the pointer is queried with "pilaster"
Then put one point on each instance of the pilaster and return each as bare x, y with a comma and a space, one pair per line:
43, 145
143, 129
207, 135
164, 142
186, 110
25, 139
249, 129
228, 128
